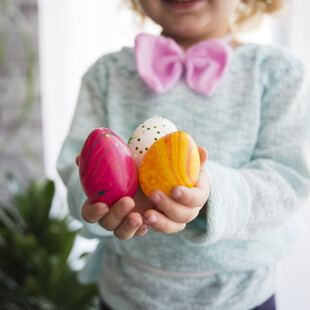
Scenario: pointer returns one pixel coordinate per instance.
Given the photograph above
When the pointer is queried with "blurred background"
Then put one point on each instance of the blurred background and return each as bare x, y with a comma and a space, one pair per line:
45, 48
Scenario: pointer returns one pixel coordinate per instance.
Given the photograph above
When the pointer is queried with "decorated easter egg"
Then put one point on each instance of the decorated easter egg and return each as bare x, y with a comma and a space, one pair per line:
107, 168
172, 160
146, 134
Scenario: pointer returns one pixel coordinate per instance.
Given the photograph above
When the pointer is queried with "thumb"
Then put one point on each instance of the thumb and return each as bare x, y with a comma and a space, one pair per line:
203, 155
77, 160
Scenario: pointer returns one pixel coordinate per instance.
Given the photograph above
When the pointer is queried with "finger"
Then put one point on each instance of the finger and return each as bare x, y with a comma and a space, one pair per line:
161, 223
203, 154
176, 211
93, 212
143, 229
129, 227
77, 160
194, 196
117, 213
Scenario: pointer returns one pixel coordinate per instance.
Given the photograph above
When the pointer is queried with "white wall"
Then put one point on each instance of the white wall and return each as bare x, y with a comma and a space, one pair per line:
294, 280
73, 34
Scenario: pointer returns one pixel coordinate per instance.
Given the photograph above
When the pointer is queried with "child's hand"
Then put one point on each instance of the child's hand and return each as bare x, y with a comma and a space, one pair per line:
124, 218
174, 212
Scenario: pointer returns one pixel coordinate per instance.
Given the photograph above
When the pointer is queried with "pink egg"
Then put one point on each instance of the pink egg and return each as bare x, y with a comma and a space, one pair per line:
107, 168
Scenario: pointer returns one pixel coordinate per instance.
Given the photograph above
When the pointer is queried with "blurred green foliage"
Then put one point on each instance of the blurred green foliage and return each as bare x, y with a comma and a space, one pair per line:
34, 249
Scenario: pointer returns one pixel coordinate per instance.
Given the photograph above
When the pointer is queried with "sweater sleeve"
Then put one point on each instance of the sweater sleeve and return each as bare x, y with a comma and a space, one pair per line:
89, 114
264, 193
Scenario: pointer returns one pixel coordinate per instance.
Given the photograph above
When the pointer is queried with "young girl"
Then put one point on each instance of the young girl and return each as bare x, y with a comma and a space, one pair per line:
214, 246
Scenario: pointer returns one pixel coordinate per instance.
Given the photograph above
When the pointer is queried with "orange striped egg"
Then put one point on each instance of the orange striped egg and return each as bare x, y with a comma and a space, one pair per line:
172, 160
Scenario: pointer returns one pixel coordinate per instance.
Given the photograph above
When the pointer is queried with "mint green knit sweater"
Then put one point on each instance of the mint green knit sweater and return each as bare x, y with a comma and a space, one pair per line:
256, 129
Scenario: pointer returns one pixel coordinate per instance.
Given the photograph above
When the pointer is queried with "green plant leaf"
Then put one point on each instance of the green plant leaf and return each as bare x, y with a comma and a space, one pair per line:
34, 252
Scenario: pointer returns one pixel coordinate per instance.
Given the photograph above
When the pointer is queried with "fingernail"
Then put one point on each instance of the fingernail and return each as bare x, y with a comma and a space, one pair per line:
103, 211
143, 227
155, 198
151, 219
125, 206
132, 223
177, 194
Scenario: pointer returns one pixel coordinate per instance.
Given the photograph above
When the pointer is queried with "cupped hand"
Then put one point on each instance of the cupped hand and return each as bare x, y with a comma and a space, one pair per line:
124, 218
173, 212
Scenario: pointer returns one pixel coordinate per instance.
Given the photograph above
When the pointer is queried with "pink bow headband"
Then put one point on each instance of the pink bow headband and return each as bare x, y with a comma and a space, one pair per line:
161, 62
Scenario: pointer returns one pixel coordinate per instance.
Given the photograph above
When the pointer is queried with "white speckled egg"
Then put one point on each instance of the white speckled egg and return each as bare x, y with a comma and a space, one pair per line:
146, 134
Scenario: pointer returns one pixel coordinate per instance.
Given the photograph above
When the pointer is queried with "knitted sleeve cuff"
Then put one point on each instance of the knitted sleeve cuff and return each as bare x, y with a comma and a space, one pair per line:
227, 210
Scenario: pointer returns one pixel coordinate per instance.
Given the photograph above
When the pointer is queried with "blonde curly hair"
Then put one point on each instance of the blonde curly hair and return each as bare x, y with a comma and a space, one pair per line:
247, 11
250, 10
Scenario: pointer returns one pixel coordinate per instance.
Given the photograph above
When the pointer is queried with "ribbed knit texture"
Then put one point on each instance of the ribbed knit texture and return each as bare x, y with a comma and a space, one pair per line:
256, 130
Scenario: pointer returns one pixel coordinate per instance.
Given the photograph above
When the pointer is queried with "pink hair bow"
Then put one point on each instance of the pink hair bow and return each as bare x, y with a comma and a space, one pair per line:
161, 61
